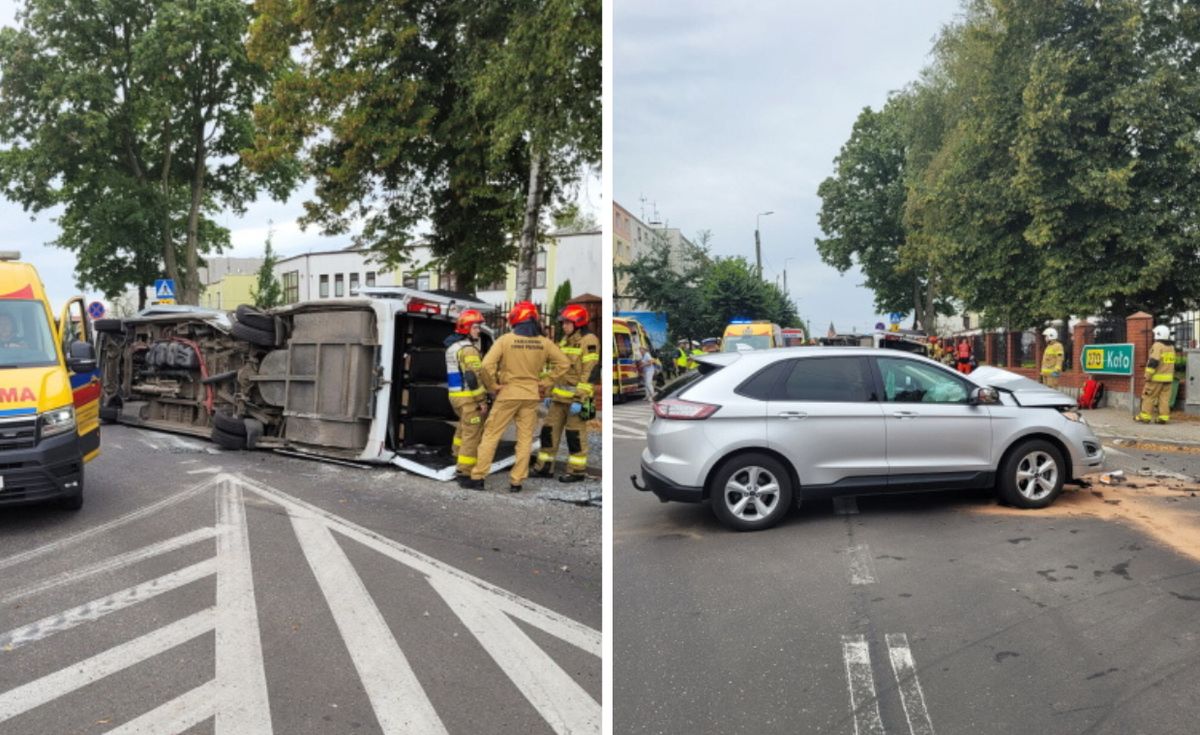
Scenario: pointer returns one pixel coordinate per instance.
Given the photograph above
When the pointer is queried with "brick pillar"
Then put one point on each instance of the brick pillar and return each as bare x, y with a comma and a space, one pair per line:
987, 349
1139, 330
1039, 345
1011, 347
1081, 334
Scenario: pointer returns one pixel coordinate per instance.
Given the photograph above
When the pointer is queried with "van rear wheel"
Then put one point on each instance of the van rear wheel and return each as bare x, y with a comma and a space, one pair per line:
751, 492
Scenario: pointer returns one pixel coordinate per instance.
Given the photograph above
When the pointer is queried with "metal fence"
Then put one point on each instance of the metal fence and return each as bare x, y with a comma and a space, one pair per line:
1110, 330
997, 341
1025, 355
1183, 331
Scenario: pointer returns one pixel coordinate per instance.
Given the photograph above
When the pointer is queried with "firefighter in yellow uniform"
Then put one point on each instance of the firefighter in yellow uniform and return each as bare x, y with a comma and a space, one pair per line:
1052, 358
1160, 373
571, 400
512, 370
467, 394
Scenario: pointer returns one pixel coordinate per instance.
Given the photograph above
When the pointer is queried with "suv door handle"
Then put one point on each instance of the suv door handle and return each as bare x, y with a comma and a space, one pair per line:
905, 414
792, 414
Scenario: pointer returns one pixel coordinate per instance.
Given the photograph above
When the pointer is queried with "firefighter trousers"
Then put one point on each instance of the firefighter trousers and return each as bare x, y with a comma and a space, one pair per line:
1050, 381
522, 413
558, 419
1156, 396
467, 435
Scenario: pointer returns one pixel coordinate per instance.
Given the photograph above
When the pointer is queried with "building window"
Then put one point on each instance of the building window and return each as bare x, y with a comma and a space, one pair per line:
324, 287
353, 283
370, 278
417, 281
291, 287
447, 281
339, 285
539, 275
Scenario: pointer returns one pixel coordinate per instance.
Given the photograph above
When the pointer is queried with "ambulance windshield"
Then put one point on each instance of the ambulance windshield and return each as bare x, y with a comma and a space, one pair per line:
25, 338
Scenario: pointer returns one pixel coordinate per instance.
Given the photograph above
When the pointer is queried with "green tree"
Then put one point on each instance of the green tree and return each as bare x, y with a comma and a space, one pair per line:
267, 291
562, 295
117, 111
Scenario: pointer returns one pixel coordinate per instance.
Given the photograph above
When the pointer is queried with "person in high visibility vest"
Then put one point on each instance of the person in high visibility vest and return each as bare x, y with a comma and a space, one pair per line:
571, 405
1160, 373
466, 392
964, 356
513, 371
1052, 358
681, 356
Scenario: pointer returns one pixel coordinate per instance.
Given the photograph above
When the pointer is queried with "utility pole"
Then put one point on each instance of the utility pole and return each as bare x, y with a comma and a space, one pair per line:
758, 243
785, 291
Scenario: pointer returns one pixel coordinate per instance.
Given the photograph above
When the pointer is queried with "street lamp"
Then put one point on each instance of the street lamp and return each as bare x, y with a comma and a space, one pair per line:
785, 262
758, 242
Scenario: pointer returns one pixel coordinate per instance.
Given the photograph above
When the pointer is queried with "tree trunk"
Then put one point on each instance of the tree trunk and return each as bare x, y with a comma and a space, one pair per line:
918, 315
527, 258
929, 322
191, 288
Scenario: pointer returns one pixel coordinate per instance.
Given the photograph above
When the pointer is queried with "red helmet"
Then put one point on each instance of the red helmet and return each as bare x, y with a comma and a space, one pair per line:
575, 314
466, 320
522, 311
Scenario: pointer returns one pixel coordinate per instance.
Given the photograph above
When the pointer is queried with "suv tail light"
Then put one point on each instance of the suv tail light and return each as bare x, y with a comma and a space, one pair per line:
674, 408
417, 306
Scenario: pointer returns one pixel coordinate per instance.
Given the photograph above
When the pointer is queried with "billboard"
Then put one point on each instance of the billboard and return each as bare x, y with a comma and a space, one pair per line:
655, 323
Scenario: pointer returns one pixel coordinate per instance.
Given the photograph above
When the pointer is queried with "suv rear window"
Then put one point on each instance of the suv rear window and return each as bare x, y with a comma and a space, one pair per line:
687, 380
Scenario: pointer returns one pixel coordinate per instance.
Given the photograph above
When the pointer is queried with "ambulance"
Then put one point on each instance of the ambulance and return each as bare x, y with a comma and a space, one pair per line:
744, 334
49, 392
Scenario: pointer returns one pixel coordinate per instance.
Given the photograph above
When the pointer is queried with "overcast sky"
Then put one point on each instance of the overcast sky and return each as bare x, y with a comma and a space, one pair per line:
723, 110
248, 232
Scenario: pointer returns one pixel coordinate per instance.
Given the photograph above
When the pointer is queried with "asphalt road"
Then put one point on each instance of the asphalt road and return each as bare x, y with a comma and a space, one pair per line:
909, 614
203, 591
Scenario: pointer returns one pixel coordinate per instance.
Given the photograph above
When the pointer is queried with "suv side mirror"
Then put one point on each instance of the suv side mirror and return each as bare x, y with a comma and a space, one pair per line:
81, 357
983, 396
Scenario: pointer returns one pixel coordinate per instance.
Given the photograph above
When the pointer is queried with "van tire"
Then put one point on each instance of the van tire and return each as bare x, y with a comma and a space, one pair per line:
109, 414
254, 431
753, 468
228, 441
256, 337
229, 423
255, 319
109, 326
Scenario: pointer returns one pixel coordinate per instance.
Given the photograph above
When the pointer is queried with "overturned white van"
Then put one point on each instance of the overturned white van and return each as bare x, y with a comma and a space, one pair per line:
360, 379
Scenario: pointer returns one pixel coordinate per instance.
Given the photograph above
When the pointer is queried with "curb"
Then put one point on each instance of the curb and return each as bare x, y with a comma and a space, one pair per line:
1134, 441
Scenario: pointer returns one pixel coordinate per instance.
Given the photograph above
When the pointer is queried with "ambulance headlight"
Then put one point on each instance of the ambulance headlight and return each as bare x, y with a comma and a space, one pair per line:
58, 421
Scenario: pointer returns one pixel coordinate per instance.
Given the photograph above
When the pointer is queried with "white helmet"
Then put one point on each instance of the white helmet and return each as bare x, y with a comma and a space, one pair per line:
1162, 331
1050, 333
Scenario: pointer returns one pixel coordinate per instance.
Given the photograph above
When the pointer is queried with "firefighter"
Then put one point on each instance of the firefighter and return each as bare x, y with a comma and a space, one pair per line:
1052, 358
1160, 372
466, 392
512, 371
570, 401
963, 356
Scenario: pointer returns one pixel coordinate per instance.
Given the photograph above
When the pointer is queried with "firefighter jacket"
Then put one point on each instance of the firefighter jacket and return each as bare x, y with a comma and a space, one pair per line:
515, 363
462, 370
582, 348
1160, 367
1052, 358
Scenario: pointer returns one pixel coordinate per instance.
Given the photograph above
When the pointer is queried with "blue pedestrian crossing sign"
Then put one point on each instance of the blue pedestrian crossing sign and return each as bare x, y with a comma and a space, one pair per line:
96, 310
164, 290
895, 317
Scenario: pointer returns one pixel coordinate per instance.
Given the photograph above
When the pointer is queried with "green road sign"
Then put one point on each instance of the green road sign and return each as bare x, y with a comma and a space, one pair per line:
1108, 359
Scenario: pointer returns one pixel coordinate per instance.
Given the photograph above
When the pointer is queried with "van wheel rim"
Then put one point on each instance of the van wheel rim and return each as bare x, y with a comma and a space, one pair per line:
752, 493
1037, 475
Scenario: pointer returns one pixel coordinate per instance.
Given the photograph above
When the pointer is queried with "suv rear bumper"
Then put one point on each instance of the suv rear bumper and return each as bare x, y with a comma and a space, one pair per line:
53, 469
668, 490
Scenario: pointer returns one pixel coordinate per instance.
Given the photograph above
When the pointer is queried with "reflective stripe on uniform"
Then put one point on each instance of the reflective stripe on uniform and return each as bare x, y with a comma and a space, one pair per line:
472, 362
1162, 378
457, 441
563, 393
545, 457
585, 388
571, 350
576, 460
467, 393
467, 460
591, 357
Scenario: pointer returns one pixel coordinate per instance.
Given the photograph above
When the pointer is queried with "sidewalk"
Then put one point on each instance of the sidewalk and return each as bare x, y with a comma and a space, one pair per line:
1116, 423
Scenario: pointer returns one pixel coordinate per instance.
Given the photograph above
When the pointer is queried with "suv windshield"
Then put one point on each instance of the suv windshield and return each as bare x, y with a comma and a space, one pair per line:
25, 339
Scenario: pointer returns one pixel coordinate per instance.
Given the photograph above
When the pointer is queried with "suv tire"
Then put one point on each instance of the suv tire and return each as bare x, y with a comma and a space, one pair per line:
1032, 475
751, 492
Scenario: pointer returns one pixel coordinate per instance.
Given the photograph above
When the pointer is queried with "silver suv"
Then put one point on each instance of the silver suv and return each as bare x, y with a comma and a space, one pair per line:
754, 432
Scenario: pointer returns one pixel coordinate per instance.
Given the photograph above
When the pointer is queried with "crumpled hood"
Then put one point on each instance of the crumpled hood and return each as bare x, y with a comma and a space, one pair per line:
1027, 392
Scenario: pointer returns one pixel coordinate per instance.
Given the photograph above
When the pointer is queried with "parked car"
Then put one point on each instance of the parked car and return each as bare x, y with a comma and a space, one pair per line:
358, 379
755, 432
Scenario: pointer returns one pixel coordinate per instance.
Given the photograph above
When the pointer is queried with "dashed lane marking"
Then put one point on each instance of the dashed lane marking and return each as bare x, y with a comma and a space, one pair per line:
861, 567
911, 695
863, 704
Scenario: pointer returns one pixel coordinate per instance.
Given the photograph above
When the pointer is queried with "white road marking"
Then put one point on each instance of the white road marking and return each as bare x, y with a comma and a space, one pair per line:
111, 564
561, 702
64, 681
861, 568
243, 706
911, 695
206, 471
846, 505
187, 710
55, 546
399, 701
559, 626
863, 704
98, 608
